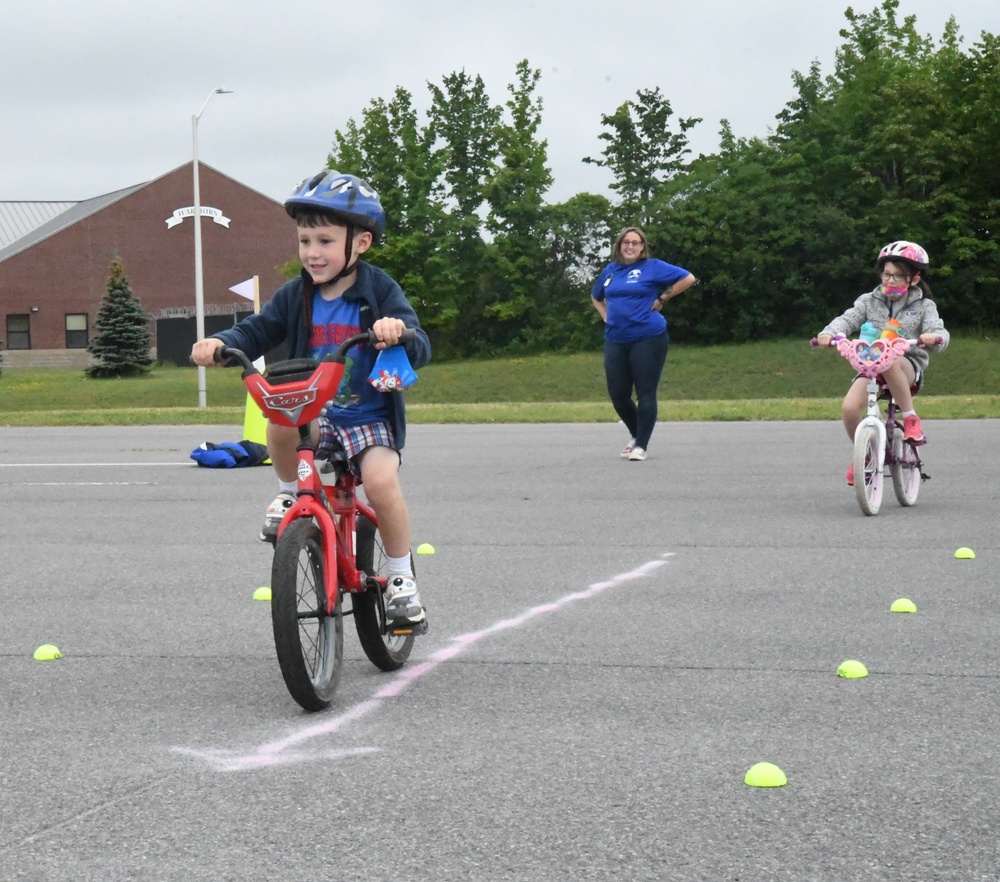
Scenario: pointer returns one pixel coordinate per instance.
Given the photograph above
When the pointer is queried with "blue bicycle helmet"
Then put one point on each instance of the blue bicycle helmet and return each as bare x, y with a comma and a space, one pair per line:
346, 197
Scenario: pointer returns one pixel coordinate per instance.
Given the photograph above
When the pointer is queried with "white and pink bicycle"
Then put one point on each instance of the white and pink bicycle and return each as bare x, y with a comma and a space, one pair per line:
879, 446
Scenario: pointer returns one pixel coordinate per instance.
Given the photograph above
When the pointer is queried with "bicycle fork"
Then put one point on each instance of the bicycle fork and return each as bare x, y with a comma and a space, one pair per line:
874, 419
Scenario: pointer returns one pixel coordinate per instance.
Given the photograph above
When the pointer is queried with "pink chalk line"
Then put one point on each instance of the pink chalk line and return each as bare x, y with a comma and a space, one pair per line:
288, 750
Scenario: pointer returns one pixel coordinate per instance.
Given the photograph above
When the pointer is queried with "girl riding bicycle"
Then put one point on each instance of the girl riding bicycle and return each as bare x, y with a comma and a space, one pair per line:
903, 295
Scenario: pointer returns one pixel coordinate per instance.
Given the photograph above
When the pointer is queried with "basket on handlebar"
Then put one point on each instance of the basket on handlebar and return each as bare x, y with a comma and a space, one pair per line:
871, 359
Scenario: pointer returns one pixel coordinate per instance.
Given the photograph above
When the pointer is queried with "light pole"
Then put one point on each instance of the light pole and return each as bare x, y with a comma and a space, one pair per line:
199, 283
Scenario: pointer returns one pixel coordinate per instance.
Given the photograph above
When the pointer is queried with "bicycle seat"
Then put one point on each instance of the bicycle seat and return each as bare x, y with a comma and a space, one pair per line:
336, 463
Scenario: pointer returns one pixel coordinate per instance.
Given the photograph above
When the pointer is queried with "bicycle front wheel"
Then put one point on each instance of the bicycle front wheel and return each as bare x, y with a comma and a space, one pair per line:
905, 470
386, 651
309, 641
867, 474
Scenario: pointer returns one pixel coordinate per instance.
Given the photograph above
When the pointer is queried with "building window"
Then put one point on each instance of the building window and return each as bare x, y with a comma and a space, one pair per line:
19, 332
76, 330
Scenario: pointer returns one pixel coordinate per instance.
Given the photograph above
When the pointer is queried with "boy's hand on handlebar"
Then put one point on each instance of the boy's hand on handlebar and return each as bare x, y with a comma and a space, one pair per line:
203, 352
389, 331
928, 340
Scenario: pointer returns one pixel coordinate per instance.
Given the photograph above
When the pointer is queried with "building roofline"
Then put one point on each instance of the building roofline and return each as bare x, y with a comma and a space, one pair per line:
86, 207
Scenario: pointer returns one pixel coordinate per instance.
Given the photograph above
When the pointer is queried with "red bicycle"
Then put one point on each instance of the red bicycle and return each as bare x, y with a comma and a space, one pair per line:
328, 543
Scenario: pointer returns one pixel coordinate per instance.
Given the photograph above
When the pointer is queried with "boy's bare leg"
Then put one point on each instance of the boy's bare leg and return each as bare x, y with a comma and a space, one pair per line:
282, 445
380, 478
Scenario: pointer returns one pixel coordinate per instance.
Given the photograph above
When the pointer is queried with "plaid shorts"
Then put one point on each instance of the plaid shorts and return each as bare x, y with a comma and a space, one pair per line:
353, 439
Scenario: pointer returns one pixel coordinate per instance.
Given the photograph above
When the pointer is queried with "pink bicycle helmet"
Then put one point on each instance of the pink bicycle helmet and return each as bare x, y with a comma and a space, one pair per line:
907, 252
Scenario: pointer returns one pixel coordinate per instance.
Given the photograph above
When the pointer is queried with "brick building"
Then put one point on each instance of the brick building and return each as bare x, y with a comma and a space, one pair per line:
54, 258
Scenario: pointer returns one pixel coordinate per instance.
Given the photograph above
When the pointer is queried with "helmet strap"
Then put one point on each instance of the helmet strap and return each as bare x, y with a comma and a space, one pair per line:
348, 267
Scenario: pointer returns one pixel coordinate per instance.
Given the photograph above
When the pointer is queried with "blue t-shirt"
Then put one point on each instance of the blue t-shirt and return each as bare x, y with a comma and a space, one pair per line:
629, 291
357, 402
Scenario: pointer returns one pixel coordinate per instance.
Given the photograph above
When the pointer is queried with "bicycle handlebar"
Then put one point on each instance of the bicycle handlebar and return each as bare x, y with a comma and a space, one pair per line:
227, 353
870, 359
836, 338
296, 391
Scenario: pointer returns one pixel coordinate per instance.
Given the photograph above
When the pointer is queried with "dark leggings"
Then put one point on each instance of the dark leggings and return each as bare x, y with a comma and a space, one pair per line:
636, 365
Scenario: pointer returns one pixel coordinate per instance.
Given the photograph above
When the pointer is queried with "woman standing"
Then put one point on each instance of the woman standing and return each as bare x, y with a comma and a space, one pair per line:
629, 295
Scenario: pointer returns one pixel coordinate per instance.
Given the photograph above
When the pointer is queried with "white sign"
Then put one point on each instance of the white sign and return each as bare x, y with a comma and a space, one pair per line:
214, 213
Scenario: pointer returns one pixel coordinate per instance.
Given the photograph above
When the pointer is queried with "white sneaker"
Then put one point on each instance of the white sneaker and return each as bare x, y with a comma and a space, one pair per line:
627, 449
637, 455
274, 514
403, 605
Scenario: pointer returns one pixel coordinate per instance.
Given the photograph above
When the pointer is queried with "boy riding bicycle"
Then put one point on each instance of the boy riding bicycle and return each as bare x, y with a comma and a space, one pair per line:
338, 218
903, 295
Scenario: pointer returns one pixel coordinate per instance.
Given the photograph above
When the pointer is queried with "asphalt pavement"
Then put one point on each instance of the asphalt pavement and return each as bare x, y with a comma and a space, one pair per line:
612, 646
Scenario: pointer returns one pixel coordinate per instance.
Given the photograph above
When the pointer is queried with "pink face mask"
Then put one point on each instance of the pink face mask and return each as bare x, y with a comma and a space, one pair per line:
895, 292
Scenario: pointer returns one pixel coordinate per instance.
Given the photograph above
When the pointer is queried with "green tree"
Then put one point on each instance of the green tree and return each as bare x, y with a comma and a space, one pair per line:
899, 142
121, 345
516, 220
576, 246
463, 124
642, 153
394, 153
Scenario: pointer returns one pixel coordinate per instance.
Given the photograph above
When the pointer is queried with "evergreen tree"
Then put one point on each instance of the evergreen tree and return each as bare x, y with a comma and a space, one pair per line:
121, 345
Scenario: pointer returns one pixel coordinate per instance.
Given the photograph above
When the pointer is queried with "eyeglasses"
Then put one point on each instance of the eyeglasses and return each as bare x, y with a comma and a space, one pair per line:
634, 243
895, 277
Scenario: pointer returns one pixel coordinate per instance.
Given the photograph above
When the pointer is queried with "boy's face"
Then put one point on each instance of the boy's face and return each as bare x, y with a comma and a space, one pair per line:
321, 249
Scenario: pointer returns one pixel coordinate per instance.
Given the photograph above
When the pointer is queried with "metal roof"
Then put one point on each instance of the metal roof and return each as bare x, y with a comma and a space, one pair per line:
70, 213
17, 219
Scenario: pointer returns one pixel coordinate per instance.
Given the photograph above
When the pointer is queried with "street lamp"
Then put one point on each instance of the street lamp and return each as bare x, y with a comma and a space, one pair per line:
199, 283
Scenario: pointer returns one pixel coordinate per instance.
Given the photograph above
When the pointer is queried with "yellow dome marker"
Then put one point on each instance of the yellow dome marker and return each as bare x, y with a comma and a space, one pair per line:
964, 553
263, 593
852, 670
903, 605
425, 548
47, 652
765, 775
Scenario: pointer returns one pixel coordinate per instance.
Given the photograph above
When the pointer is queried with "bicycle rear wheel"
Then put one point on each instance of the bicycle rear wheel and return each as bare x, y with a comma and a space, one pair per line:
308, 641
386, 651
867, 474
905, 470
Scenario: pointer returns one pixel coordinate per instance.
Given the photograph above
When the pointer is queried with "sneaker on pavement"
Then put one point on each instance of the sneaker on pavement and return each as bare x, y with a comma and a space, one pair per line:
912, 430
403, 606
637, 455
272, 517
627, 449
850, 475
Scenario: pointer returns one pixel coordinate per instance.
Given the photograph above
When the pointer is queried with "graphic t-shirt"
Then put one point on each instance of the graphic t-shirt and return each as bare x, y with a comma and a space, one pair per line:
356, 402
630, 291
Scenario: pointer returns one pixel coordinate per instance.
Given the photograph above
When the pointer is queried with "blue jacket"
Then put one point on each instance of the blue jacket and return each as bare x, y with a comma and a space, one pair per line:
284, 317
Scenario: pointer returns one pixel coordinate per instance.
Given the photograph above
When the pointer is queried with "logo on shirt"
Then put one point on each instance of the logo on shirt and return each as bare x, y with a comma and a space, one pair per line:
633, 276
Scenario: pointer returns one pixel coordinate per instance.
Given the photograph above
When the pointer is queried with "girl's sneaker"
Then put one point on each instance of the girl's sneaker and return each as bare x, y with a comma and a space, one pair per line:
850, 475
637, 455
911, 429
627, 449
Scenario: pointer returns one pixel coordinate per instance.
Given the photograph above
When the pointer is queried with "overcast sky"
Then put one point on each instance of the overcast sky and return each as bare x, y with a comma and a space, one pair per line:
99, 95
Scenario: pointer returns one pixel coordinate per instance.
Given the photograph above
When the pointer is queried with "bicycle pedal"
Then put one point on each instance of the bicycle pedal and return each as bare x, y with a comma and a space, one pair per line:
407, 630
